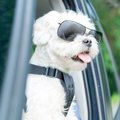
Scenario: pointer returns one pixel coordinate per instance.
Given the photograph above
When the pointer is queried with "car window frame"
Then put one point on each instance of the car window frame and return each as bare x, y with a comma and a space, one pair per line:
14, 82
109, 109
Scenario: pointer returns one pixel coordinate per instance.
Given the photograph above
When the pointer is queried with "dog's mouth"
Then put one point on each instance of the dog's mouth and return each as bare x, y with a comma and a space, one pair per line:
83, 57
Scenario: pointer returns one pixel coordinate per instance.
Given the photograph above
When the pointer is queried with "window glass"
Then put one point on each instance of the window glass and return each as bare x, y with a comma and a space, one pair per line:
91, 10
109, 16
115, 97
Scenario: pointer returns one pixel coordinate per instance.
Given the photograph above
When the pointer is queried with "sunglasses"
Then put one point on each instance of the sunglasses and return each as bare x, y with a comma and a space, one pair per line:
68, 30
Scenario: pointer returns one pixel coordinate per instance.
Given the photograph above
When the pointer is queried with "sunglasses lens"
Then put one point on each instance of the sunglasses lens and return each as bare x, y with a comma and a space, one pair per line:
69, 29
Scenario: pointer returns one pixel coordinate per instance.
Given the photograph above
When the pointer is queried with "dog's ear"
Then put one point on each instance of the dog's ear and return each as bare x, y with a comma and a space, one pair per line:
42, 28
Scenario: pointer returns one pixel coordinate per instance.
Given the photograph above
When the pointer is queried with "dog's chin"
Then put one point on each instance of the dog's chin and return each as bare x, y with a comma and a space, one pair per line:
77, 66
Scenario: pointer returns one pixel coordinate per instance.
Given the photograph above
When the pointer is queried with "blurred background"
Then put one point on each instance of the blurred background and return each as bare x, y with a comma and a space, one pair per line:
6, 19
109, 13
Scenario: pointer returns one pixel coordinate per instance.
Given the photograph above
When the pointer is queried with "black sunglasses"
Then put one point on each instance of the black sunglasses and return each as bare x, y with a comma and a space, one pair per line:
68, 30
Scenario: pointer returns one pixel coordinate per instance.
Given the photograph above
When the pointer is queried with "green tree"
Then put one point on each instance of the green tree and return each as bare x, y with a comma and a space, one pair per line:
6, 19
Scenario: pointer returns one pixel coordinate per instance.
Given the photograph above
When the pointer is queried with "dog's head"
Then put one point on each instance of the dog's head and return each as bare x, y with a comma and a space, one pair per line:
70, 39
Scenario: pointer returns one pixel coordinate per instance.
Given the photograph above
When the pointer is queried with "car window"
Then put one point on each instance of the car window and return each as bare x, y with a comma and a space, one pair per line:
115, 97
112, 73
90, 10
110, 67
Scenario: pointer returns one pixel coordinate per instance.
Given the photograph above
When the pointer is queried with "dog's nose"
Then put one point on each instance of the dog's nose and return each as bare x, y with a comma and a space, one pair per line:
87, 42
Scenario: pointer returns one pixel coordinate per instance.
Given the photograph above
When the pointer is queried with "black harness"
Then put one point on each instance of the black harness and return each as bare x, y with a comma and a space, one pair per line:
65, 79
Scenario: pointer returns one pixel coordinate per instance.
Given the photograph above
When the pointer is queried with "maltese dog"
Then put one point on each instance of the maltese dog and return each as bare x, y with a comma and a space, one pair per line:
64, 41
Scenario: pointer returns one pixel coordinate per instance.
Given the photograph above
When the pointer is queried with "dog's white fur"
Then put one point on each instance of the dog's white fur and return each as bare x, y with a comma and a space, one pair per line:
45, 95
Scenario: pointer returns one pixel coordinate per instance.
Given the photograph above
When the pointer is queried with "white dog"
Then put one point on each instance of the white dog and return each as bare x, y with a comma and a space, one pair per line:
65, 41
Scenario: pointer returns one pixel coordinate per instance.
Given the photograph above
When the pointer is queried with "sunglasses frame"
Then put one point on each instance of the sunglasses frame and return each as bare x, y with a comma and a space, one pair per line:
86, 28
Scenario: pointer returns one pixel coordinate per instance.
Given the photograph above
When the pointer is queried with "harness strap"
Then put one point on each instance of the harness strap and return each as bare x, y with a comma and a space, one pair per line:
65, 79
69, 89
34, 69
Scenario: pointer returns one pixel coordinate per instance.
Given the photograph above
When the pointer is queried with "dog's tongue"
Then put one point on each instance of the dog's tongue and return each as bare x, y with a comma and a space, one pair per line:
84, 57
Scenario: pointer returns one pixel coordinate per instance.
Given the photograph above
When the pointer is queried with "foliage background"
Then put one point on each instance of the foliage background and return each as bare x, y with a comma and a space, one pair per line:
109, 14
6, 18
